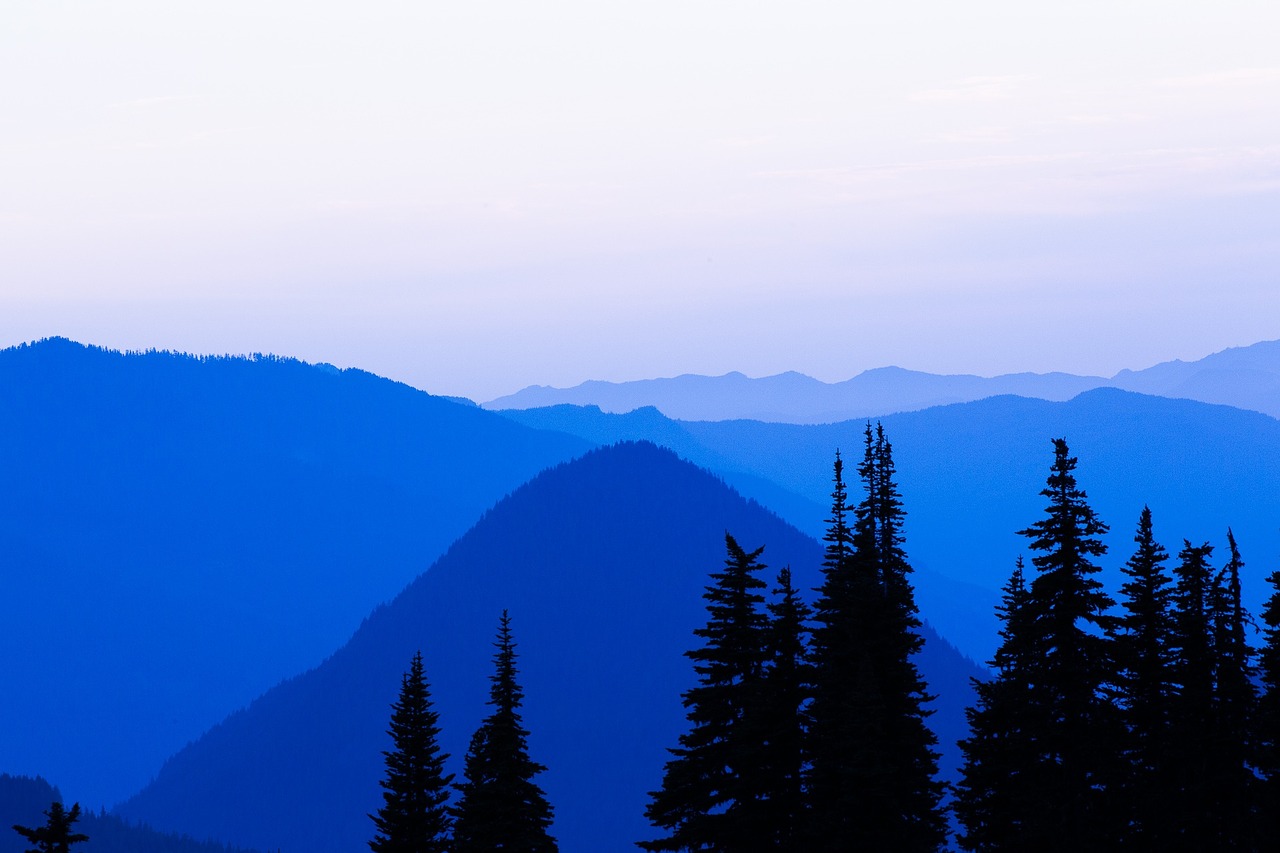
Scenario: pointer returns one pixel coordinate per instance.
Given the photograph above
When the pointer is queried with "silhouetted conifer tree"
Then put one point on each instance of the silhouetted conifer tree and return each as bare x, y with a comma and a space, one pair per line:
1266, 728
713, 789
1192, 712
872, 777
500, 807
1145, 686
414, 817
1001, 763
56, 835
1070, 725
781, 711
1235, 698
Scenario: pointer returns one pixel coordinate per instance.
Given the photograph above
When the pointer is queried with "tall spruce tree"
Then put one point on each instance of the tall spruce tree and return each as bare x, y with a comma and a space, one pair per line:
500, 807
782, 704
414, 817
713, 793
1145, 687
1070, 727
999, 776
873, 767
1189, 817
1266, 722
1235, 698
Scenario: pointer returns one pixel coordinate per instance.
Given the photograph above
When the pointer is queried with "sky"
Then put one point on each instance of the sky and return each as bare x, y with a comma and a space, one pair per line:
477, 196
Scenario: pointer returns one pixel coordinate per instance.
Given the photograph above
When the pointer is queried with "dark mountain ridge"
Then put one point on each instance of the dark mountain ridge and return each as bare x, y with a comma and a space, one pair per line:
188, 531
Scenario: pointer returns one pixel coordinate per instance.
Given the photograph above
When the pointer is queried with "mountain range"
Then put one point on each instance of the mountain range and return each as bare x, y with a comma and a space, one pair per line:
1244, 377
601, 563
179, 534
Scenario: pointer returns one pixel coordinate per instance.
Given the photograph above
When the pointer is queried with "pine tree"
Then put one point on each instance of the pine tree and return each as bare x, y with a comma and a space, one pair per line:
500, 807
1144, 660
1266, 723
56, 835
1069, 729
873, 767
713, 787
1235, 697
1001, 766
1192, 712
414, 817
780, 714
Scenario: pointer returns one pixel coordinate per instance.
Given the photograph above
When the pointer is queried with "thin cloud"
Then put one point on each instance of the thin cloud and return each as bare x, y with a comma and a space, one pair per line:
148, 103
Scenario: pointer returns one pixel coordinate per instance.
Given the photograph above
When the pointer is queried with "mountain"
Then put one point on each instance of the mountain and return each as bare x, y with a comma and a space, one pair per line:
602, 563
1245, 377
178, 534
24, 800
971, 475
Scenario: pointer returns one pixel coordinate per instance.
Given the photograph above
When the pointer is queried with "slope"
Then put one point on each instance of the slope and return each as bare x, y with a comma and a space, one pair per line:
602, 563
178, 534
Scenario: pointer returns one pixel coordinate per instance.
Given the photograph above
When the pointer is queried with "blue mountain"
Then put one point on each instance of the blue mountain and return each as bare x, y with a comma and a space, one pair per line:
178, 534
601, 563
1244, 377
971, 475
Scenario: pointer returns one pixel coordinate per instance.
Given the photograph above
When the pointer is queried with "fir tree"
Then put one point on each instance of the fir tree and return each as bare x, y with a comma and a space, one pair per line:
1068, 731
1266, 723
500, 807
1192, 712
56, 835
781, 714
872, 777
713, 789
1001, 765
414, 817
1235, 698
1144, 661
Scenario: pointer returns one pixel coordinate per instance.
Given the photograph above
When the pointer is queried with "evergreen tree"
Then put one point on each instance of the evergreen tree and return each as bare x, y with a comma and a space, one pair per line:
500, 807
781, 711
713, 791
1192, 712
1235, 698
414, 817
1144, 660
1001, 765
56, 835
872, 776
1067, 733
1266, 724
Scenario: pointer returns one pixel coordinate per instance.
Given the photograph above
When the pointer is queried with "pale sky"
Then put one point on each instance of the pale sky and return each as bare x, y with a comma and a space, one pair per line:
476, 196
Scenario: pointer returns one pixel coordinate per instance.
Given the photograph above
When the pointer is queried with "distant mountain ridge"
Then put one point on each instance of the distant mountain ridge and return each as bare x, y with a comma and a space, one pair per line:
1244, 377
971, 474
189, 531
602, 563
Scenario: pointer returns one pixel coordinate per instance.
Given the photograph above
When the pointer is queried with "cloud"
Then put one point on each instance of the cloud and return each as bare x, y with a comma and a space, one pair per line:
969, 89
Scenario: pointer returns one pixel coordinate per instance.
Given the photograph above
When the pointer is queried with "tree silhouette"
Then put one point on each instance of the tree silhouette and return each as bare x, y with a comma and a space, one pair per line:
414, 817
56, 835
1066, 733
1145, 686
500, 807
873, 766
1266, 727
713, 788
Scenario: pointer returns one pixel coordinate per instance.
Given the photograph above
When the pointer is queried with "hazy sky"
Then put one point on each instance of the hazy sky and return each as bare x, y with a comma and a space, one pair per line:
475, 196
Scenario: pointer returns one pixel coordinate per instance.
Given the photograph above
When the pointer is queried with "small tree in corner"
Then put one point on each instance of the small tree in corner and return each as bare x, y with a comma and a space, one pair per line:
56, 835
